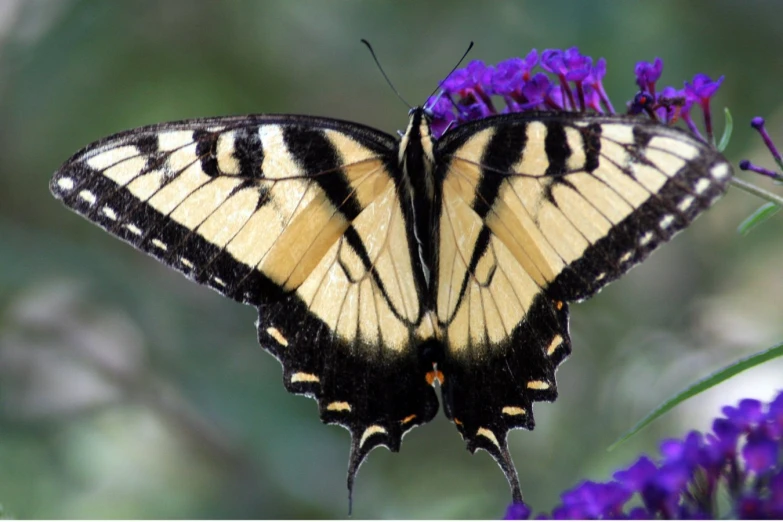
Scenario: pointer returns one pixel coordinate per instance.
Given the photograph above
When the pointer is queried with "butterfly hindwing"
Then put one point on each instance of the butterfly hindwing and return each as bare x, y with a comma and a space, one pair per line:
538, 210
298, 216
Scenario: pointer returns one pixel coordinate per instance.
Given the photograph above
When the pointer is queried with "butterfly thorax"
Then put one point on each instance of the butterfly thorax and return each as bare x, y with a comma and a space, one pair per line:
416, 161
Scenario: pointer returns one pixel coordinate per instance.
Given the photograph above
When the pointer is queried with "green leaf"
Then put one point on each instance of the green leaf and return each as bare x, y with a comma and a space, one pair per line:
764, 212
724, 140
700, 386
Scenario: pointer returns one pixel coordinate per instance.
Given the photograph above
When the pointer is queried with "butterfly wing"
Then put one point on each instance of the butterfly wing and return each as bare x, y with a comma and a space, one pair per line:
298, 216
539, 210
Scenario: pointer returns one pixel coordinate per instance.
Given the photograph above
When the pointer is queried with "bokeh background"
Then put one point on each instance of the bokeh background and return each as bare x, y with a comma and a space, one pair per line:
127, 391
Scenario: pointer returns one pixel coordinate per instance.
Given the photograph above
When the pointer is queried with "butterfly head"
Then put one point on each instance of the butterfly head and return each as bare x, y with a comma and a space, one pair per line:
417, 141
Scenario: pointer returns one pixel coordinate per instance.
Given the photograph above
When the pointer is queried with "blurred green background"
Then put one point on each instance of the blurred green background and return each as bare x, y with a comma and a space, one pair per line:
127, 391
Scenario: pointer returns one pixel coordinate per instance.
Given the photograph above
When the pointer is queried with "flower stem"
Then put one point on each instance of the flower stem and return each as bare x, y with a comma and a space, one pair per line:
757, 191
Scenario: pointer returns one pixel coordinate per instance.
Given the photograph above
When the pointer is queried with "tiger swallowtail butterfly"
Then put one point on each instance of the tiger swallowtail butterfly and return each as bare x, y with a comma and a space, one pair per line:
382, 265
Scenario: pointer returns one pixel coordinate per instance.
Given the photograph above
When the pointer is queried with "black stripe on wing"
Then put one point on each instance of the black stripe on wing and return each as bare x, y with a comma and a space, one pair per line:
116, 209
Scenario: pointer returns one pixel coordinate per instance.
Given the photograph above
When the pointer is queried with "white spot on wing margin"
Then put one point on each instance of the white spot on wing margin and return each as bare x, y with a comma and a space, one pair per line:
133, 229
88, 196
109, 213
720, 171
65, 183
666, 221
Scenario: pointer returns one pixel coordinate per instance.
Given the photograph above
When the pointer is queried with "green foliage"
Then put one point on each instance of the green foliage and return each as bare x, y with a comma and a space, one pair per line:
727, 130
764, 212
701, 386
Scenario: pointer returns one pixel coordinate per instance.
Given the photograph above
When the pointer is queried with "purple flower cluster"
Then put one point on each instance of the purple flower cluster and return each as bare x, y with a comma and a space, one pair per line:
570, 82
671, 104
758, 124
741, 458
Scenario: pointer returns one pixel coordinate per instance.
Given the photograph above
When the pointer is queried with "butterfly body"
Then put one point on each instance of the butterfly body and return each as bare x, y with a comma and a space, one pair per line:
380, 266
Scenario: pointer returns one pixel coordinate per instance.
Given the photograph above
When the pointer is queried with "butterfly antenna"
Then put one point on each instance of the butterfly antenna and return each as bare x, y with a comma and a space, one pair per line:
372, 52
452, 70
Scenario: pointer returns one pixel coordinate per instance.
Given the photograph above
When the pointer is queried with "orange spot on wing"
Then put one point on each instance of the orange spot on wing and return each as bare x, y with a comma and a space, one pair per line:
457, 421
433, 376
409, 418
559, 305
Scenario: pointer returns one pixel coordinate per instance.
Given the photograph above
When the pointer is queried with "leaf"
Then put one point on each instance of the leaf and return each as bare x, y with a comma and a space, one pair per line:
724, 140
700, 386
764, 212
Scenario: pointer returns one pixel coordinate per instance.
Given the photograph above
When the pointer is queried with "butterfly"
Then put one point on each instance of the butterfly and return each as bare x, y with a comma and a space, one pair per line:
381, 266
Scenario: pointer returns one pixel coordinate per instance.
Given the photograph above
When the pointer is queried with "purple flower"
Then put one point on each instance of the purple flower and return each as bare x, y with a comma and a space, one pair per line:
476, 111
684, 483
639, 513
776, 495
571, 82
509, 76
758, 124
637, 475
579, 69
530, 61
578, 66
463, 81
725, 438
537, 90
688, 452
760, 451
750, 507
700, 92
647, 74
775, 416
702, 88
673, 477
594, 500
517, 511
599, 71
556, 99
747, 415
592, 99
556, 62
552, 61
661, 494
441, 111
595, 81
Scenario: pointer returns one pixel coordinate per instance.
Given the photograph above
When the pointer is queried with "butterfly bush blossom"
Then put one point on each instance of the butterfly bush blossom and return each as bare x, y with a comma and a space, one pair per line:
568, 81
740, 460
758, 124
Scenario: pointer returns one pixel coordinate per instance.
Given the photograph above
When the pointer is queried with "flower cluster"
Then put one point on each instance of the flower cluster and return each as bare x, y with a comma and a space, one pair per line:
740, 458
758, 124
570, 81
